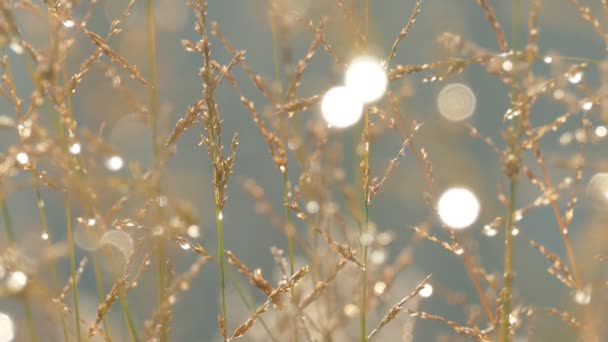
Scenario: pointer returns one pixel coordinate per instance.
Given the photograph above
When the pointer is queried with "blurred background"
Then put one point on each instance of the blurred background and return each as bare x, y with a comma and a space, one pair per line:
106, 104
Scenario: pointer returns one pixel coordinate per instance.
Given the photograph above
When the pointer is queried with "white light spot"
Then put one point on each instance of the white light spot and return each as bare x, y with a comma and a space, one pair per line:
312, 207
16, 281
576, 77
515, 231
458, 208
601, 131
507, 65
341, 108
44, 236
68, 23
220, 216
583, 296
16, 47
587, 105
456, 102
7, 328
22, 158
91, 222
489, 231
184, 245
426, 291
566, 138
194, 231
114, 163
379, 288
548, 59
367, 79
75, 148
512, 319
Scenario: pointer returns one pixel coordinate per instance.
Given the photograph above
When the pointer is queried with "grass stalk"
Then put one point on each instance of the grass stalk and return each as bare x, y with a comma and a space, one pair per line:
365, 227
220, 243
100, 291
506, 294
45, 232
70, 233
153, 79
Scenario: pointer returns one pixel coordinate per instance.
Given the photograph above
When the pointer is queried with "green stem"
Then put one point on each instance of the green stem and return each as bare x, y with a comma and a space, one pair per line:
46, 233
155, 148
70, 233
100, 292
220, 252
505, 313
128, 319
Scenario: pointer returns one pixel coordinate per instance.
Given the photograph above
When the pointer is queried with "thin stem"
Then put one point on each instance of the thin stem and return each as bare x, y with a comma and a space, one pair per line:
46, 233
100, 292
153, 78
220, 243
365, 227
70, 233
128, 320
506, 294
288, 223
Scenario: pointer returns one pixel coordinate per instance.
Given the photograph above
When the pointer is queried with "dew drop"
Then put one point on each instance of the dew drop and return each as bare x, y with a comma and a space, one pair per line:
68, 23
582, 296
489, 231
601, 131
114, 163
44, 236
576, 77
75, 148
426, 291
548, 59
22, 158
16, 281
587, 105
184, 245
16, 47
220, 216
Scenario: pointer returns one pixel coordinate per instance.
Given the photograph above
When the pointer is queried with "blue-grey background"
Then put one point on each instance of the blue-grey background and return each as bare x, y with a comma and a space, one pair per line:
457, 159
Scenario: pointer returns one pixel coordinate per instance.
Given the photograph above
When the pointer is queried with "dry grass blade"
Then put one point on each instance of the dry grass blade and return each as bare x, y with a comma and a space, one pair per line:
493, 21
115, 57
396, 309
180, 284
404, 32
558, 268
255, 278
321, 286
392, 164
286, 286
189, 120
460, 329
345, 251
